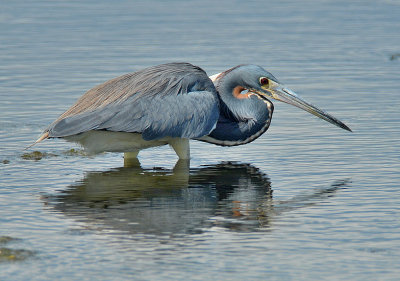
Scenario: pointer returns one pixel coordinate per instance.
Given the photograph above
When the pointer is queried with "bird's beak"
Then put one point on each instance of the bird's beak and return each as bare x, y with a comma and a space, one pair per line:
278, 92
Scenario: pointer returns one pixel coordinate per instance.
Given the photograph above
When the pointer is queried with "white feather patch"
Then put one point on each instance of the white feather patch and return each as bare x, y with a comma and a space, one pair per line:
105, 141
214, 77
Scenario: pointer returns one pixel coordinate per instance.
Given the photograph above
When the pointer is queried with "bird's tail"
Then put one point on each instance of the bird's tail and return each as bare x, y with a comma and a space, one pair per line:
42, 137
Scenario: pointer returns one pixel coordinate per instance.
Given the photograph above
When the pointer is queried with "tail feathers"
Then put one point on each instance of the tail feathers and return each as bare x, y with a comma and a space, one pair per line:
42, 137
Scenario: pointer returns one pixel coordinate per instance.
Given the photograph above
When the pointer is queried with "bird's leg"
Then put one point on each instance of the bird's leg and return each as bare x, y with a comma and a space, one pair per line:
182, 166
181, 171
181, 147
131, 160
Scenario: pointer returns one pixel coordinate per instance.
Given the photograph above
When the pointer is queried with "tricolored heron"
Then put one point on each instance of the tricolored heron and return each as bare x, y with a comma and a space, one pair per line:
172, 103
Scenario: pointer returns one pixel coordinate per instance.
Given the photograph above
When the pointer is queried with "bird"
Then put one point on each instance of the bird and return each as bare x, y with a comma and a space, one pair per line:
172, 103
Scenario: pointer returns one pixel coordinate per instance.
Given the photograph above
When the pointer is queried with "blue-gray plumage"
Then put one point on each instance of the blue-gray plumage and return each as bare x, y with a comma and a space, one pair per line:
173, 100
172, 103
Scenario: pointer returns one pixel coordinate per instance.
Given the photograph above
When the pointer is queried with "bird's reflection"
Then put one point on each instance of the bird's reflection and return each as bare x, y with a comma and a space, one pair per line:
235, 196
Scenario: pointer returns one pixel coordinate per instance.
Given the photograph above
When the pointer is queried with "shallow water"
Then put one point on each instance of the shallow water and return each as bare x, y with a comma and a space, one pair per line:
305, 201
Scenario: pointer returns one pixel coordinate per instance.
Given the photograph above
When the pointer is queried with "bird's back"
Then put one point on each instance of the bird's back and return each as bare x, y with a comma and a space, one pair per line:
168, 100
164, 79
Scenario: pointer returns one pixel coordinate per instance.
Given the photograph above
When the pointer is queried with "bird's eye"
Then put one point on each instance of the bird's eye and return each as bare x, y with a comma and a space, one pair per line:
264, 81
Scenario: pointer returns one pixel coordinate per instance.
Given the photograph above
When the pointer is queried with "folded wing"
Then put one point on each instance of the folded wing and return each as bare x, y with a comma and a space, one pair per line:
170, 100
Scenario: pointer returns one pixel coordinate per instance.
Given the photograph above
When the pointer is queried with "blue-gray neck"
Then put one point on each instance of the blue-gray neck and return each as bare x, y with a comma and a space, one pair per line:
243, 117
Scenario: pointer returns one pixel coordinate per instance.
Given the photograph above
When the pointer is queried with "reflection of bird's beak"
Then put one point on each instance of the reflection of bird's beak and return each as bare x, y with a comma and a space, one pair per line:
286, 95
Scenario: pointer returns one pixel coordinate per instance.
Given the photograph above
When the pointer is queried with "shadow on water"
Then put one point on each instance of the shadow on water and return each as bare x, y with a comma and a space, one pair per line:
231, 195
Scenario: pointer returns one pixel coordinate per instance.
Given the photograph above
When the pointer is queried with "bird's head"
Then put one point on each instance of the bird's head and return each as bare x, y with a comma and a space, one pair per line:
257, 80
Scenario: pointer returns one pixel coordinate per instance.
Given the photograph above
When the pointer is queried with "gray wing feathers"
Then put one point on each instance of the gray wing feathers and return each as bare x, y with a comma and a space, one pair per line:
179, 101
193, 115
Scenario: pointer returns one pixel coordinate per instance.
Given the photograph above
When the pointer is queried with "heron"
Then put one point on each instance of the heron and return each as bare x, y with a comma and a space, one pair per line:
172, 103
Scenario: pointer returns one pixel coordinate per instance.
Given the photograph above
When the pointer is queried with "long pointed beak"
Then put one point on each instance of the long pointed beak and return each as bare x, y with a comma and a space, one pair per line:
288, 96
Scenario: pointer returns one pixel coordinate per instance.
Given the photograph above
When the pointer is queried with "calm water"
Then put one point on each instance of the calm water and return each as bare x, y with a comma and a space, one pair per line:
305, 201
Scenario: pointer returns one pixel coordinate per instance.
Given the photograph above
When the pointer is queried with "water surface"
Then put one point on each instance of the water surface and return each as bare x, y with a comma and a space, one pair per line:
304, 201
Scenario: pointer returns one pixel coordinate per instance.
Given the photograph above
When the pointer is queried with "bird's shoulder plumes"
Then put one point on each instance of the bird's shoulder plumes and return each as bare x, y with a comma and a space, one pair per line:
160, 80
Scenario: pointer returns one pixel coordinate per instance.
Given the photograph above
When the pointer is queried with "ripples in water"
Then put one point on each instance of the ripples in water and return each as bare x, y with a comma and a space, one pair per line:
231, 195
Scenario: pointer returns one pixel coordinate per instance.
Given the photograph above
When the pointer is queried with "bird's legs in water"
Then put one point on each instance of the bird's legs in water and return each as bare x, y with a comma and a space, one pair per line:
181, 147
131, 160
182, 168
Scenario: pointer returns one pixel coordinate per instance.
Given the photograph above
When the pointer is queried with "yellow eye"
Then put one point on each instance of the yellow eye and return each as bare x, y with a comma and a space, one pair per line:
264, 81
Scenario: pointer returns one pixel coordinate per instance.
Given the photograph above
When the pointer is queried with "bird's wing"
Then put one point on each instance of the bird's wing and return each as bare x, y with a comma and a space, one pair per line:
189, 115
171, 100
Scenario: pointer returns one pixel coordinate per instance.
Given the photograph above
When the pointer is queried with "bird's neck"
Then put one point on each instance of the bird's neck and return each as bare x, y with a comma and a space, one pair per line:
234, 104
243, 117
